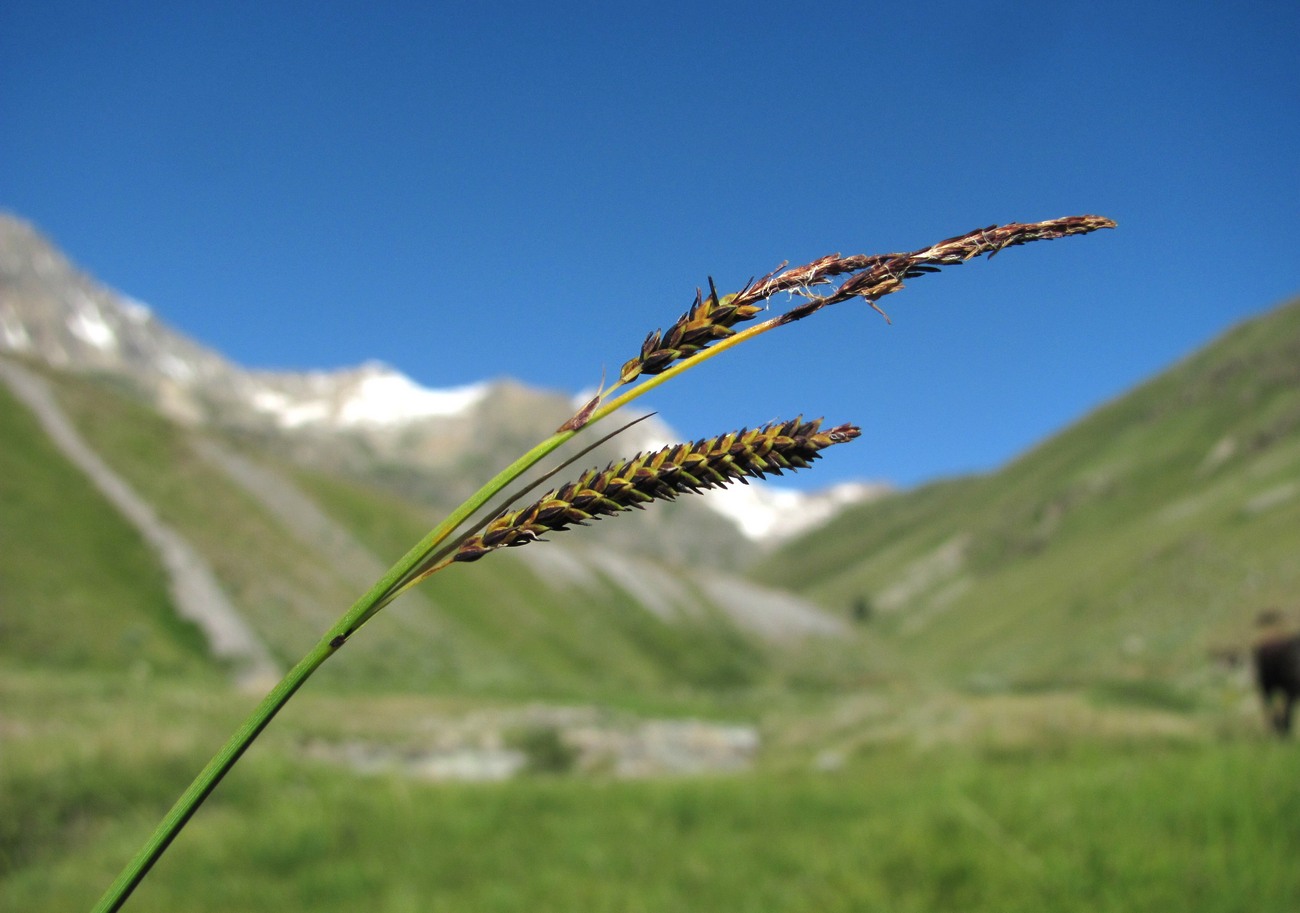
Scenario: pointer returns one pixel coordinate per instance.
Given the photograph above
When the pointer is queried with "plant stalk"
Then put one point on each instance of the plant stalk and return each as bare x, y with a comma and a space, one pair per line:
384, 590
209, 777
880, 276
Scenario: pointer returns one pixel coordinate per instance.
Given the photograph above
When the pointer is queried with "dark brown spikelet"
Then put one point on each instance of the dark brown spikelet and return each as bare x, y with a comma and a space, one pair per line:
870, 277
660, 476
706, 321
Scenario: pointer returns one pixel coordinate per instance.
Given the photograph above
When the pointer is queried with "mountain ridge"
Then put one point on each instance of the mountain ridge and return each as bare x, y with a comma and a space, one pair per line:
370, 420
564, 620
294, 523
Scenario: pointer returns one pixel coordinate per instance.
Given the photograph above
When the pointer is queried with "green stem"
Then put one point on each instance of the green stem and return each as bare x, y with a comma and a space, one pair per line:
210, 776
384, 590
649, 383
360, 612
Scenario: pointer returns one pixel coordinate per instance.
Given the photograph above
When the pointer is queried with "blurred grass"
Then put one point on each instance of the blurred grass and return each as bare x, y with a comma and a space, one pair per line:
881, 800
1087, 826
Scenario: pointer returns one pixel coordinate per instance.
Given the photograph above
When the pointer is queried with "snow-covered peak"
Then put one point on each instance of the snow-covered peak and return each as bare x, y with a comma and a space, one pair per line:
51, 311
374, 395
13, 333
385, 396
767, 513
88, 323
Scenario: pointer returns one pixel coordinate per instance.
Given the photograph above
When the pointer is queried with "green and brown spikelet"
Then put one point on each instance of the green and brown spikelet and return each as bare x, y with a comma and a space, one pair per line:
660, 476
706, 321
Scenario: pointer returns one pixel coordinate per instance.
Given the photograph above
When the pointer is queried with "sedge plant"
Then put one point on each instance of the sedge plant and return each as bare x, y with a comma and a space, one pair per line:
708, 328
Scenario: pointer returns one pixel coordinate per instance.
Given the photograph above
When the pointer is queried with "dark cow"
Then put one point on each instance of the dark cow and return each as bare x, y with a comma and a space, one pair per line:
1277, 669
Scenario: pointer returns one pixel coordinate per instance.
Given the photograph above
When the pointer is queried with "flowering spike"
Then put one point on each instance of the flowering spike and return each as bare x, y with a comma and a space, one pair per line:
870, 278
660, 476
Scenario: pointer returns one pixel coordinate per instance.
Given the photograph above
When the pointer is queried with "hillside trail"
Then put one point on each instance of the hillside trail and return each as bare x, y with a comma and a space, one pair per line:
195, 592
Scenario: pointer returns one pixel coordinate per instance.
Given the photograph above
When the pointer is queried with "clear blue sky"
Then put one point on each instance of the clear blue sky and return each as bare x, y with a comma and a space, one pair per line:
478, 190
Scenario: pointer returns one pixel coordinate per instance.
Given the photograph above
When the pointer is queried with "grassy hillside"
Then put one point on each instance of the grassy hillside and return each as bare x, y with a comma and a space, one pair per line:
505, 626
1127, 547
587, 639
78, 587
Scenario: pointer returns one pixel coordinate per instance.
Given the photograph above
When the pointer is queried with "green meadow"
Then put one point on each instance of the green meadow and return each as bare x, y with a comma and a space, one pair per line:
1092, 820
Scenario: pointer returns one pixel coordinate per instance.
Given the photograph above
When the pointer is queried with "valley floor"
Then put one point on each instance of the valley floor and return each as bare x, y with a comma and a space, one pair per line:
883, 799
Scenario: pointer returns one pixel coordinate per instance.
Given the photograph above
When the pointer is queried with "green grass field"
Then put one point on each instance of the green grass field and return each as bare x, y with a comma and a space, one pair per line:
1083, 821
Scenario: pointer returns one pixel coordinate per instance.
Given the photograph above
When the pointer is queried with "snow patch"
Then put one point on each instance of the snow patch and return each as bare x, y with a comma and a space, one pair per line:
88, 325
765, 512
387, 397
269, 401
756, 509
374, 395
651, 435
582, 397
288, 412
13, 333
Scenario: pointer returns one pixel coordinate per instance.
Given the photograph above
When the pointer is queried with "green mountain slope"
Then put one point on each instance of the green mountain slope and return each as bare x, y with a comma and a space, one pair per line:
557, 623
1133, 544
78, 587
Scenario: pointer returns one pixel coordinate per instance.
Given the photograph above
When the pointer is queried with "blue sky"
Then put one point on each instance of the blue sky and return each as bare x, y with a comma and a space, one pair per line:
483, 190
